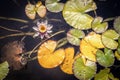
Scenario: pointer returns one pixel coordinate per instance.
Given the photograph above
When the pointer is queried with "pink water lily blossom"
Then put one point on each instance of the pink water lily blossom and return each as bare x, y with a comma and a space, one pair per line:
43, 29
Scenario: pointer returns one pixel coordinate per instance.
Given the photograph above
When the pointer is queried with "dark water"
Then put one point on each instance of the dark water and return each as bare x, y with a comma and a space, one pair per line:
15, 8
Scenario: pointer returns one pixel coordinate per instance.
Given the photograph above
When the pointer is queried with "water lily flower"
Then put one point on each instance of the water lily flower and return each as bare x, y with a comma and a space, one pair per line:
43, 29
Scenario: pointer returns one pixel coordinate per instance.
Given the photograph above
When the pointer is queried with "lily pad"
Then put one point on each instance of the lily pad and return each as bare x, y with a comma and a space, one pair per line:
4, 70
84, 71
103, 74
108, 39
54, 5
48, 57
31, 10
105, 58
117, 24
98, 26
74, 13
73, 36
88, 50
117, 55
66, 66
94, 39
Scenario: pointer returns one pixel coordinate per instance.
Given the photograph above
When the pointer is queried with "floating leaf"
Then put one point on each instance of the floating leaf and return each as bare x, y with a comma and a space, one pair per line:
73, 36
54, 5
87, 50
4, 70
111, 76
98, 26
108, 39
94, 39
31, 10
105, 58
84, 71
47, 57
74, 13
119, 40
103, 74
117, 55
66, 66
117, 24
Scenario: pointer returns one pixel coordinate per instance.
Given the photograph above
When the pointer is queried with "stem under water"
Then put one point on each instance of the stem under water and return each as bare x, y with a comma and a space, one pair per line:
14, 19
13, 30
18, 34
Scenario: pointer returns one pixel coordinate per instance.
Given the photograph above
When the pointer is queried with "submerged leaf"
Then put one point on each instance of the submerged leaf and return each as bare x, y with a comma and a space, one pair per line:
54, 5
105, 58
98, 26
84, 71
117, 24
74, 13
4, 70
108, 39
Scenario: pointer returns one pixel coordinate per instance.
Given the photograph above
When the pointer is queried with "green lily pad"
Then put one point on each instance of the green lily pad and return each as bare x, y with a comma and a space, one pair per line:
117, 24
103, 74
98, 26
108, 39
111, 77
54, 5
3, 70
84, 71
105, 58
74, 13
73, 36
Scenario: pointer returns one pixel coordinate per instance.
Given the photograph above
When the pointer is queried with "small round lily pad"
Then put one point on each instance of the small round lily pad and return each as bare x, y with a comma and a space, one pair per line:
117, 24
54, 5
98, 26
84, 71
105, 58
74, 35
108, 39
4, 70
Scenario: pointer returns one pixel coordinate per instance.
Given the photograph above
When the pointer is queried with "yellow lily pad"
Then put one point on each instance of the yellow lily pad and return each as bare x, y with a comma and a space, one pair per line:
48, 57
94, 39
87, 50
66, 66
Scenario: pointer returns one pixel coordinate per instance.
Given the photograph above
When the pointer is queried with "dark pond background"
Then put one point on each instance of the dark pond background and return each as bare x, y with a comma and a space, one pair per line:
33, 71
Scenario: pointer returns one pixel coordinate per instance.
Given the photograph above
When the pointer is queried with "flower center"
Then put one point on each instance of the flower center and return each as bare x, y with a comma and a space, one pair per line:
42, 28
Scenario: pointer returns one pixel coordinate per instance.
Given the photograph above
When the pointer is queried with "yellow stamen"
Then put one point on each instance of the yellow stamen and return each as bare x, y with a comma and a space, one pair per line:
42, 28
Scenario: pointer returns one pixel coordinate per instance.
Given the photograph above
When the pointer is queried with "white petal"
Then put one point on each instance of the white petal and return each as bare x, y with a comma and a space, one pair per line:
36, 34
35, 28
49, 27
49, 31
46, 35
42, 36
